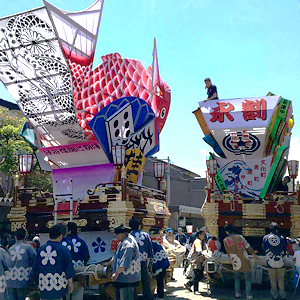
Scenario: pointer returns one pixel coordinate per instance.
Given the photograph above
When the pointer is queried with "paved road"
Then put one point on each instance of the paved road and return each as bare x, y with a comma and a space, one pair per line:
176, 291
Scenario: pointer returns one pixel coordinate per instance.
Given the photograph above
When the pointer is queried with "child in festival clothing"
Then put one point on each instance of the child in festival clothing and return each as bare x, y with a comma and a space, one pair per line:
160, 261
54, 267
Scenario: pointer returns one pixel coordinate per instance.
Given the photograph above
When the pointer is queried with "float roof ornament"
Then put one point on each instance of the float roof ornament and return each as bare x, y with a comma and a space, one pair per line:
34, 69
244, 127
46, 58
77, 31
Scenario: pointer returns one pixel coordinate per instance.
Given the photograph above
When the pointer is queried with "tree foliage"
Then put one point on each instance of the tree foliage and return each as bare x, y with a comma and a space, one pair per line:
13, 144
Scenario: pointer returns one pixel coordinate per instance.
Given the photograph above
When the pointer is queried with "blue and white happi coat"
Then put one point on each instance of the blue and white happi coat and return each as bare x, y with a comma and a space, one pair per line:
274, 246
79, 251
128, 256
22, 260
160, 260
145, 244
53, 267
5, 262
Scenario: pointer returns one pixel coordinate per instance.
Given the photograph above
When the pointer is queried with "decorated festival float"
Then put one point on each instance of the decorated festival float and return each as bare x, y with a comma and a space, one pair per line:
93, 127
250, 138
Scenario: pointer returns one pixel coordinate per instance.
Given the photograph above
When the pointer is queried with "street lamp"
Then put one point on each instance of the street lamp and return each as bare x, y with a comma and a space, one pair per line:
212, 169
118, 154
159, 172
25, 165
293, 166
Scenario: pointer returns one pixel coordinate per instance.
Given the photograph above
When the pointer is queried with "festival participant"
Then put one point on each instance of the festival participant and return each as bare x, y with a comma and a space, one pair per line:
146, 254
5, 262
22, 260
197, 259
274, 246
193, 236
174, 250
53, 267
64, 241
181, 237
213, 244
80, 256
283, 185
187, 268
296, 259
37, 243
160, 261
212, 92
80, 252
237, 248
126, 264
207, 234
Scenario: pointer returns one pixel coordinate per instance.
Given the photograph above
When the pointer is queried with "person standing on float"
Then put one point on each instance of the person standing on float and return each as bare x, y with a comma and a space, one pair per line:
212, 92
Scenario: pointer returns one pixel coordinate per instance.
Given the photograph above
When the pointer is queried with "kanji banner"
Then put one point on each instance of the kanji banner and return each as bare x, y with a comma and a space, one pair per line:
242, 112
245, 177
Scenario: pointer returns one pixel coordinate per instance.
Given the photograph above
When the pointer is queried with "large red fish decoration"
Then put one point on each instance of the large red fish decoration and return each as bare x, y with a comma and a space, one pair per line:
115, 78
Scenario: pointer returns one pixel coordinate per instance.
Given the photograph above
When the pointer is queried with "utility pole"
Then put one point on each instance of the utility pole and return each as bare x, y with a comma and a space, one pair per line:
168, 183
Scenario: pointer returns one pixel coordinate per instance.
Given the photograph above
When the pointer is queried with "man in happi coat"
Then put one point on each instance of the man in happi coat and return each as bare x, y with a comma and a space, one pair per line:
80, 256
126, 264
146, 254
237, 248
160, 262
5, 262
54, 267
274, 246
22, 260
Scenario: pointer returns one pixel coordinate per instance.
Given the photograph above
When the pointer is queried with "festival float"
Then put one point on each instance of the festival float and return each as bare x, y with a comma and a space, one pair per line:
250, 138
93, 127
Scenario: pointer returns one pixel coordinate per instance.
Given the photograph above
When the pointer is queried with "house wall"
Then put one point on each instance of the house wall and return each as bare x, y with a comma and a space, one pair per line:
185, 190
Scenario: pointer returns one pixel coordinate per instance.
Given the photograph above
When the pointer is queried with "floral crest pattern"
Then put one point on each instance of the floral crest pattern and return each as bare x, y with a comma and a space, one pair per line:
76, 245
139, 238
17, 253
99, 245
48, 256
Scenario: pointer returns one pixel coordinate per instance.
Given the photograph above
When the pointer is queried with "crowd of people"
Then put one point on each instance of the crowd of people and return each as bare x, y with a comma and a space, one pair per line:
51, 266
139, 257
274, 248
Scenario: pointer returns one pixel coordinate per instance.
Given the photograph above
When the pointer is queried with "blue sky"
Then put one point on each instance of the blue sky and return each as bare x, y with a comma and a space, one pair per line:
246, 47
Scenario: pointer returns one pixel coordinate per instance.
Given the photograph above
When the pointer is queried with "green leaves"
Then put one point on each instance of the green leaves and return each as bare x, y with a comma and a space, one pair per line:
12, 144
